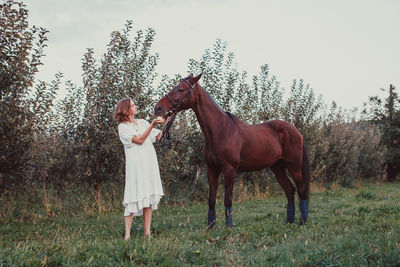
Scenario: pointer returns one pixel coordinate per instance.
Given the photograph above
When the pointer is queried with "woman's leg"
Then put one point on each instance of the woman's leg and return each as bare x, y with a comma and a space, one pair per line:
147, 212
128, 225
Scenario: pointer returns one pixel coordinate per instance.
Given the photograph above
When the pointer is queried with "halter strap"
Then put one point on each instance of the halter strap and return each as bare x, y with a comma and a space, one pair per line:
171, 101
177, 105
191, 86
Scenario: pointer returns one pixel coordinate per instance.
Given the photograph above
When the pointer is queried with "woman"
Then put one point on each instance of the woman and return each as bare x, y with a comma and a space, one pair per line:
143, 188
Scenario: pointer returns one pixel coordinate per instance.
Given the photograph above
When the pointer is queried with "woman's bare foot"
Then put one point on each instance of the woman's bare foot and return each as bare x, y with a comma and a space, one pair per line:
127, 237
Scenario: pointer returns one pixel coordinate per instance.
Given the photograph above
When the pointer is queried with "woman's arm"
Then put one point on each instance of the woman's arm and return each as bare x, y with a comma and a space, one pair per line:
159, 136
141, 138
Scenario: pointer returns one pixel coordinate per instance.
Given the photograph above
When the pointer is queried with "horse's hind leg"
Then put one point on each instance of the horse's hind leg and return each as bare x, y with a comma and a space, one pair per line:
279, 170
301, 191
213, 175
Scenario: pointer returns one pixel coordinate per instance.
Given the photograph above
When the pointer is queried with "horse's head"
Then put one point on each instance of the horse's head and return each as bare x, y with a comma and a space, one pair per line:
179, 98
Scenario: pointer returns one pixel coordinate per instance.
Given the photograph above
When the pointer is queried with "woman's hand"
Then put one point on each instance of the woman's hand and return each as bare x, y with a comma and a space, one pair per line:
158, 120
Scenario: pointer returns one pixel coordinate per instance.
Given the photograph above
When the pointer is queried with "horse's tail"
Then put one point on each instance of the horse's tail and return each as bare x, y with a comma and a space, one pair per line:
306, 172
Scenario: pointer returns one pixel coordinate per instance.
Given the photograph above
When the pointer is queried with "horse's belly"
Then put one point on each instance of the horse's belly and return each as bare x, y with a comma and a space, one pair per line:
255, 165
252, 159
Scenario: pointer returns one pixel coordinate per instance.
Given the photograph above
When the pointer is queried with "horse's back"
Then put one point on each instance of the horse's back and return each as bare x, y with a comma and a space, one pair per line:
276, 129
261, 146
266, 143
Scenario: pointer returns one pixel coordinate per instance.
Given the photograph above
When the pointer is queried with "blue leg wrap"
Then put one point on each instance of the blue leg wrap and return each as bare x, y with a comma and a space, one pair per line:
228, 217
303, 211
290, 210
211, 219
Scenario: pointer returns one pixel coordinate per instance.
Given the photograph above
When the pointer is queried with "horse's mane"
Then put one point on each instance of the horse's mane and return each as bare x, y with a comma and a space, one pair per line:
230, 115
233, 117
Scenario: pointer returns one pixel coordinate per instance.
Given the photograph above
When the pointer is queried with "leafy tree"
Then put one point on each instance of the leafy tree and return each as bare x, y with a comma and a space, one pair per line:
270, 96
220, 77
386, 113
344, 149
21, 51
64, 156
303, 109
44, 135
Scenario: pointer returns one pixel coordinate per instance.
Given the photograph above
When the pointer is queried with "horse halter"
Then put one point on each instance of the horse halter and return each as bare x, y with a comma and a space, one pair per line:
177, 105
165, 132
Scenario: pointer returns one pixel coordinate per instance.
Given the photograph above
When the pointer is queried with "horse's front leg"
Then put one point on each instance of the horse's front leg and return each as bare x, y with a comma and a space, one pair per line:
229, 179
213, 175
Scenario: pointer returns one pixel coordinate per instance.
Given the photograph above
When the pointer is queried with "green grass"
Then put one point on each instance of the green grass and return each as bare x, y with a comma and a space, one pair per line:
346, 227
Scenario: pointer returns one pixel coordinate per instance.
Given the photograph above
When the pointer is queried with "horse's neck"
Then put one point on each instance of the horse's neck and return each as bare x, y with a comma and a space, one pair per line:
209, 115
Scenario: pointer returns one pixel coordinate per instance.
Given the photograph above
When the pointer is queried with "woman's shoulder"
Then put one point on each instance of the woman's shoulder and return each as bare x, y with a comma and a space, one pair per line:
124, 125
128, 125
143, 122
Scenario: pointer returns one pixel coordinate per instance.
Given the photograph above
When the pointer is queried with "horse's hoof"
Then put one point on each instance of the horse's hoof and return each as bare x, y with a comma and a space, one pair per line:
290, 212
212, 218
303, 212
228, 217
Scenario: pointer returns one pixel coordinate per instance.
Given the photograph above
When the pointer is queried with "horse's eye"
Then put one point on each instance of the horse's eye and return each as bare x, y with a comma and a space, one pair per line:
181, 89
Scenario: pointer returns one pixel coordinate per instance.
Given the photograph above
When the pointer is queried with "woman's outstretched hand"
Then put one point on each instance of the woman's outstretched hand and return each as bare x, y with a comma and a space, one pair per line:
158, 120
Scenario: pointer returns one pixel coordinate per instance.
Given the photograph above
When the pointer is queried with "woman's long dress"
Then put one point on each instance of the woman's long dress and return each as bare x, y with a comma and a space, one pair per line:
142, 180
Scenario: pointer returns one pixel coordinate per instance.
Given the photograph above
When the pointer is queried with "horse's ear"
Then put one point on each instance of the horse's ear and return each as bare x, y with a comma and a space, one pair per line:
196, 79
190, 75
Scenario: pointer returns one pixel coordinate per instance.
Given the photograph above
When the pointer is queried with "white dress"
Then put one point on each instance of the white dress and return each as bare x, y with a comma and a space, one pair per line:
142, 179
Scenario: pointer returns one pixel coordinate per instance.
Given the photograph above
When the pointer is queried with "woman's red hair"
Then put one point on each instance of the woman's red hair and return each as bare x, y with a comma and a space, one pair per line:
121, 113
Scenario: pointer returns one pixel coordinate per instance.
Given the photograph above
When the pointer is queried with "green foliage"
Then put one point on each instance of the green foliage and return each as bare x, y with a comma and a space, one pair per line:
346, 227
220, 77
43, 148
270, 100
344, 149
385, 112
303, 109
21, 50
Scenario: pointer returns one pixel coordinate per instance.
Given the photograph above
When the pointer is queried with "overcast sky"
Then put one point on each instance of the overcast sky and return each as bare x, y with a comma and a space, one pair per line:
345, 49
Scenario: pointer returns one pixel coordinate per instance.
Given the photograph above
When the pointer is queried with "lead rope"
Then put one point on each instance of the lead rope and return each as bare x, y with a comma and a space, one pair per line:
165, 132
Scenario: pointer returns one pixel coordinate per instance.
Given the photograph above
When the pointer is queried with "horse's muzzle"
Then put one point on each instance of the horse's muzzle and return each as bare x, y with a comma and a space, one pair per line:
157, 110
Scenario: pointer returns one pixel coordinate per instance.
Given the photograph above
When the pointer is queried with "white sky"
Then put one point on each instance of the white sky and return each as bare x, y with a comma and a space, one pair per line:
346, 49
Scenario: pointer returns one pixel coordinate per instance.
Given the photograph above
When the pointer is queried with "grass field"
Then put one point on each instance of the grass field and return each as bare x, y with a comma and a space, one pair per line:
346, 227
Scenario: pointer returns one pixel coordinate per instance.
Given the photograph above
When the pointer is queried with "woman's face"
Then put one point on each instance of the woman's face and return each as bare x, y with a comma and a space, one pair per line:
132, 109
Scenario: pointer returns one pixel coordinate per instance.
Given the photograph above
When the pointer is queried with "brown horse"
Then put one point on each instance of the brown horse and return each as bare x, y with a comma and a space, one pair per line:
232, 146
